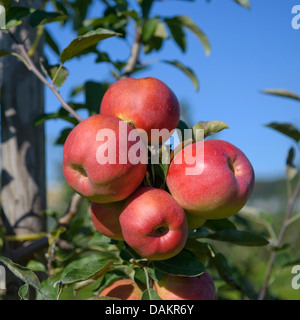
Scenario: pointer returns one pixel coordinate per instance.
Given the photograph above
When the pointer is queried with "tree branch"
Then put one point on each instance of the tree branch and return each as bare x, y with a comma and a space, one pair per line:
31, 66
134, 56
286, 222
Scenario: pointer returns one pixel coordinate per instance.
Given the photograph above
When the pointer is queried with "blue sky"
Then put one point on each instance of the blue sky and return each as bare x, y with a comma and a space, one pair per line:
252, 50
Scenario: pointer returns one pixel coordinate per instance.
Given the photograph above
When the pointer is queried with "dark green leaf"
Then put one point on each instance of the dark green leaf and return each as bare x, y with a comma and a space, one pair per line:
239, 237
244, 3
209, 127
14, 16
92, 266
290, 169
220, 224
187, 22
51, 43
188, 71
40, 17
183, 264
150, 294
94, 93
154, 43
146, 6
81, 43
287, 129
177, 32
149, 28
57, 115
199, 249
63, 136
282, 93
4, 53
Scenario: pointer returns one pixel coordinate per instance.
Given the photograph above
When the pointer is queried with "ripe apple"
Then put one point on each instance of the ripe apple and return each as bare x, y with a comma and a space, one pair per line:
223, 186
147, 102
105, 218
91, 163
154, 224
124, 289
186, 288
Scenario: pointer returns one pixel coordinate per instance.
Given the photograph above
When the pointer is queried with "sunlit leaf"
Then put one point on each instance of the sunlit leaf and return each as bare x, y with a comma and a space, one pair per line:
209, 127
244, 3
282, 93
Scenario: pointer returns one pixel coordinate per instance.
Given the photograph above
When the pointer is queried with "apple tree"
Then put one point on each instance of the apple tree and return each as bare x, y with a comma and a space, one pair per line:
52, 260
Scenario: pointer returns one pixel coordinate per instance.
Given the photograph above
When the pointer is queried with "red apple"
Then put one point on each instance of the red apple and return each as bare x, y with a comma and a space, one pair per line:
105, 218
154, 224
147, 102
91, 163
186, 288
223, 185
124, 289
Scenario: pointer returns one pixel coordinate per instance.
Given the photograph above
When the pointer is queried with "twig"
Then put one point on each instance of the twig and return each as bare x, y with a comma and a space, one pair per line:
31, 66
66, 219
134, 56
286, 223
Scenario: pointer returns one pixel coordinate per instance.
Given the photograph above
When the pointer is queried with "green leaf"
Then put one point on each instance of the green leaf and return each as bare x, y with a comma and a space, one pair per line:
282, 93
209, 127
220, 224
184, 263
4, 53
51, 43
81, 43
161, 31
181, 127
57, 115
238, 237
290, 169
145, 6
244, 3
14, 16
188, 71
149, 28
24, 274
187, 22
36, 266
63, 136
150, 294
58, 74
94, 92
92, 266
39, 17
23, 292
287, 129
177, 32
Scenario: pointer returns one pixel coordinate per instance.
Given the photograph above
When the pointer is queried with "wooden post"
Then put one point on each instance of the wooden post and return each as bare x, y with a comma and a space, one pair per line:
23, 183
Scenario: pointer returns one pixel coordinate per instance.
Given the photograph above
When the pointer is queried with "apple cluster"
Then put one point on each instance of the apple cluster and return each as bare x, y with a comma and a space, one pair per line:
153, 221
